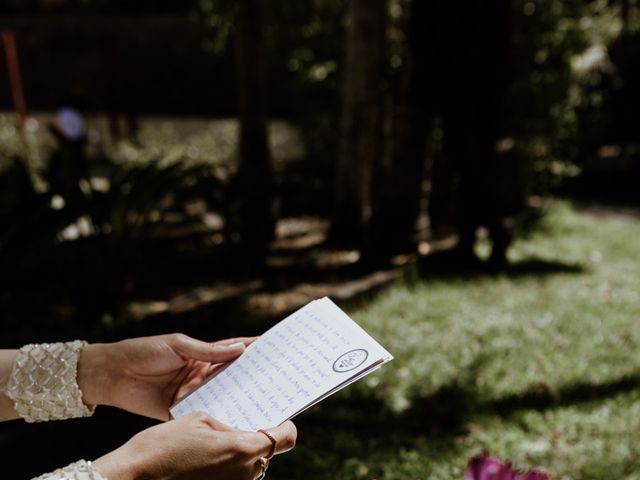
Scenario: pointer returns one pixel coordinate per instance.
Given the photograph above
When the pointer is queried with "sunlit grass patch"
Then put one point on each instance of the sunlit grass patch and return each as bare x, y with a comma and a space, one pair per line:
519, 332
539, 365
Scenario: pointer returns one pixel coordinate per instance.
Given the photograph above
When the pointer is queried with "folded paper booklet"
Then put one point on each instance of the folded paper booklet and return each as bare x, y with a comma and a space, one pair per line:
306, 357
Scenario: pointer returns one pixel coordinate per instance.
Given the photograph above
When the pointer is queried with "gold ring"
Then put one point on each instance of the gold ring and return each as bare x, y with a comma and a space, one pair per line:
264, 464
272, 451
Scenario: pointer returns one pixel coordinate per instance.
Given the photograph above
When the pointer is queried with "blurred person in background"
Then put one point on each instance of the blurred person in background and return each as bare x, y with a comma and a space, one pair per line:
462, 74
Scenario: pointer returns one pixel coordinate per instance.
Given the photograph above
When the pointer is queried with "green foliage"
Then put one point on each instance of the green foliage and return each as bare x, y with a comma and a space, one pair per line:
83, 219
305, 54
568, 60
538, 365
565, 74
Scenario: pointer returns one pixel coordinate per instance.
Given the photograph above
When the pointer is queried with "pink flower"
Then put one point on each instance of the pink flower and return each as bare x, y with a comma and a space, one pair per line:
484, 467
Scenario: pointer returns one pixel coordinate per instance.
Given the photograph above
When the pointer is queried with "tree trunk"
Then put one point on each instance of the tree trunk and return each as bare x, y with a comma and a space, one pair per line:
255, 180
399, 194
362, 125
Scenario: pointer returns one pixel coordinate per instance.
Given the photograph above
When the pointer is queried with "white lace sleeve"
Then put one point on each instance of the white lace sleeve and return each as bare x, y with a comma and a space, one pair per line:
76, 471
43, 384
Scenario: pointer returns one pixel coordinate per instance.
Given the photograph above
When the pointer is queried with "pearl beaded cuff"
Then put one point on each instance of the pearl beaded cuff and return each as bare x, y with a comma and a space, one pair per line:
76, 471
43, 383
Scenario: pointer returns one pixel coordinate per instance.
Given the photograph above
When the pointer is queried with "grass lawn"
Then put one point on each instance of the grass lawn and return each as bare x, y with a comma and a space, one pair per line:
540, 366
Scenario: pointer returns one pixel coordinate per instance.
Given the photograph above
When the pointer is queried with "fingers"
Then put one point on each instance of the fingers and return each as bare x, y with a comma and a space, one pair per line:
261, 466
218, 352
230, 341
285, 436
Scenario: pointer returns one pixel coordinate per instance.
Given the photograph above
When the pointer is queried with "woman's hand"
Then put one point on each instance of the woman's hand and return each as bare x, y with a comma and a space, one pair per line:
194, 447
147, 375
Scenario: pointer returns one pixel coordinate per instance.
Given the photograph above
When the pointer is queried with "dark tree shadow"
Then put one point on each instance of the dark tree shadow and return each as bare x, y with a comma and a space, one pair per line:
447, 412
448, 263
544, 397
542, 267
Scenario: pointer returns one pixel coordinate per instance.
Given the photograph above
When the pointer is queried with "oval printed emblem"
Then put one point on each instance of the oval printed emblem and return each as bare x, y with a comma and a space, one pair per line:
350, 360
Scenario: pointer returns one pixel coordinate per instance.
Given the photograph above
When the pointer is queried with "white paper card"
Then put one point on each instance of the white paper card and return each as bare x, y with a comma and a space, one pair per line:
306, 357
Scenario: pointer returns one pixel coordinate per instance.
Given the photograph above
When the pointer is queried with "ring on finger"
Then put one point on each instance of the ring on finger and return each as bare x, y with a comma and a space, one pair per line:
264, 464
272, 449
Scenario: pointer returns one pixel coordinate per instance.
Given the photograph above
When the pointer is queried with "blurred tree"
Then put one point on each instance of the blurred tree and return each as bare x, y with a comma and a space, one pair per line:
399, 191
362, 124
255, 181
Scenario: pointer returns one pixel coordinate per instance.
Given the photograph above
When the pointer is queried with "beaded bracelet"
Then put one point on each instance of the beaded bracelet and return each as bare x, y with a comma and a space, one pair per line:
43, 384
81, 470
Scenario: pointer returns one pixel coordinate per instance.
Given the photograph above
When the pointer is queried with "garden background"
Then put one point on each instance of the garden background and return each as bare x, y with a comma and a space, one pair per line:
462, 179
